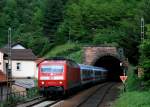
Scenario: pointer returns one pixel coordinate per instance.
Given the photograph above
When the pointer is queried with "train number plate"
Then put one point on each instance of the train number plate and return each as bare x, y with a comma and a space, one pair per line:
44, 78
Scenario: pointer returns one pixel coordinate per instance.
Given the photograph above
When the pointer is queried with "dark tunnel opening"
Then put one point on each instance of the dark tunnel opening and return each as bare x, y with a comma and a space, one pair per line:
112, 64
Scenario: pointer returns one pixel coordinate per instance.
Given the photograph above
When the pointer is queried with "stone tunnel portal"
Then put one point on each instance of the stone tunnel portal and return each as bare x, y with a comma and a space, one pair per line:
112, 64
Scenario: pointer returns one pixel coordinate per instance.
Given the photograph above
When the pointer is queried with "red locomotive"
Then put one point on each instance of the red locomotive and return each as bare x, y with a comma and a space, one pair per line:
59, 75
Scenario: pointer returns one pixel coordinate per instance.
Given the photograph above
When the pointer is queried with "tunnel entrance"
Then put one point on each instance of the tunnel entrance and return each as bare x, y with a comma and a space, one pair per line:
112, 64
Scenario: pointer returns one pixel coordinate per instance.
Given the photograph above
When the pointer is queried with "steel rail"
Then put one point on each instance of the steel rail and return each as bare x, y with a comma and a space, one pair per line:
92, 94
32, 102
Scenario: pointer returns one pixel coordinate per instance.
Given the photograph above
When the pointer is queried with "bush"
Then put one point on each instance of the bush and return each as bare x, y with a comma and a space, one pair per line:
145, 60
133, 82
12, 101
76, 56
109, 35
32, 92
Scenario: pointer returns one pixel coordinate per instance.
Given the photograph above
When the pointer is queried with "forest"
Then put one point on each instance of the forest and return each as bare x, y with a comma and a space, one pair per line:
43, 24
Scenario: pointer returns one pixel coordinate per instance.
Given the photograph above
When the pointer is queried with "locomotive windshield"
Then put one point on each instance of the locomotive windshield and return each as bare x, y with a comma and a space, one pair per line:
52, 68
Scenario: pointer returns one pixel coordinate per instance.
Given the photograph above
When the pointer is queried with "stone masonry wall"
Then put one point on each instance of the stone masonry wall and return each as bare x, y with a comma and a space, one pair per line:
92, 53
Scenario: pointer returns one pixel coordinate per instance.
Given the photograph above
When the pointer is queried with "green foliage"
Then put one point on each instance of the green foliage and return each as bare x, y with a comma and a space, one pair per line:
12, 101
145, 45
99, 21
145, 59
25, 17
32, 93
84, 21
107, 36
52, 17
76, 56
17, 97
135, 96
63, 50
39, 44
147, 31
145, 49
133, 82
144, 10
133, 99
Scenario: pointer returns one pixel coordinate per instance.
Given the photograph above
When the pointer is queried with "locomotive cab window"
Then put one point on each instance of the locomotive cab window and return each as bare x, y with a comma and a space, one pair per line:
52, 68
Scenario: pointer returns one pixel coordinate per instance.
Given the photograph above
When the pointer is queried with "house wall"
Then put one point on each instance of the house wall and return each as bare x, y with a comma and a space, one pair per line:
1, 61
27, 69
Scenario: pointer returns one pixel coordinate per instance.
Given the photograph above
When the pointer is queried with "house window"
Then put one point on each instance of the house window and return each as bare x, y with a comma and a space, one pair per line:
18, 66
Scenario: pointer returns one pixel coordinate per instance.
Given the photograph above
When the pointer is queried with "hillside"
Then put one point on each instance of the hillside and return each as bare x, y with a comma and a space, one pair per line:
68, 50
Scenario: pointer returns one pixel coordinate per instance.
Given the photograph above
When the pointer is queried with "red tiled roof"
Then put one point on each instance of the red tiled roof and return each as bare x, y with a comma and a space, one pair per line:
20, 54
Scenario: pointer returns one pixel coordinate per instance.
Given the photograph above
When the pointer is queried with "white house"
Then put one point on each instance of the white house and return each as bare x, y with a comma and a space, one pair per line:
23, 61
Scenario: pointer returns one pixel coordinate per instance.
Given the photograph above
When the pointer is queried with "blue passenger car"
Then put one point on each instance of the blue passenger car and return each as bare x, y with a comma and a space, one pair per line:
92, 74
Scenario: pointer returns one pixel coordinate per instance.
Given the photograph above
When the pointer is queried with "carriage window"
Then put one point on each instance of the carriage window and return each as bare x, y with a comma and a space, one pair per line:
56, 69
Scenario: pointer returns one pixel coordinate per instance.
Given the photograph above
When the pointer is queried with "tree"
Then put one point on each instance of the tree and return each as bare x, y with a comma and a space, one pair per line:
52, 17
144, 10
145, 45
145, 59
96, 21
7, 18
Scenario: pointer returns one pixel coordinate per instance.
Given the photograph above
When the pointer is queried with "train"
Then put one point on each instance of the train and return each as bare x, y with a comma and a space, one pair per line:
60, 75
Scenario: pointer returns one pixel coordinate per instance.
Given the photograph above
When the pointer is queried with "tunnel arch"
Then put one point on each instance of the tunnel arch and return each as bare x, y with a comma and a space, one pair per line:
112, 64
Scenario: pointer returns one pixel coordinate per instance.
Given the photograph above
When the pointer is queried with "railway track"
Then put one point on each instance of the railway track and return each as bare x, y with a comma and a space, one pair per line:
96, 98
39, 102
93, 97
32, 102
46, 103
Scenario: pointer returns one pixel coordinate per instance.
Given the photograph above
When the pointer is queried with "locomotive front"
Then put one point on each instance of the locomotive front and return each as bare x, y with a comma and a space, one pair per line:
51, 77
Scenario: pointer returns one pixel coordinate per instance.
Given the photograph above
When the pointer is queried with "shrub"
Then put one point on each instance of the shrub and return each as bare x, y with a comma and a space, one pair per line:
145, 60
133, 82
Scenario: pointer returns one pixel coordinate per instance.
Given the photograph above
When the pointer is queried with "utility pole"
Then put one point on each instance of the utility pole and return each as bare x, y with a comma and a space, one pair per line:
9, 69
142, 29
69, 34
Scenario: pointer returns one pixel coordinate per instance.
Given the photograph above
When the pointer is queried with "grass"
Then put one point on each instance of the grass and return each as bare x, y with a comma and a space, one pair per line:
134, 99
76, 56
69, 50
135, 96
63, 50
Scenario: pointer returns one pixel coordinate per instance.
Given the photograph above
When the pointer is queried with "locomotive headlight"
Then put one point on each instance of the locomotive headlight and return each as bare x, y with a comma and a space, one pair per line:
42, 82
60, 82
